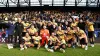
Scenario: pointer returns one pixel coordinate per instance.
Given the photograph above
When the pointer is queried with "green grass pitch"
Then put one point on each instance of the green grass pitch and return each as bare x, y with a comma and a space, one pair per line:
92, 51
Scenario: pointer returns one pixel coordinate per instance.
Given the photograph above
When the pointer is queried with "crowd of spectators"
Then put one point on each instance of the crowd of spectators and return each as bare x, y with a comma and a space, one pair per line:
49, 15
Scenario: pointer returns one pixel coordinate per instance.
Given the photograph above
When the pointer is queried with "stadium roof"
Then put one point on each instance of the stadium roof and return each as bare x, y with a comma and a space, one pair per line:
23, 3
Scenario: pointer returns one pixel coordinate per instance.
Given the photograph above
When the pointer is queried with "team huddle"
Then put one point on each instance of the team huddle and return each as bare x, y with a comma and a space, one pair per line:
53, 37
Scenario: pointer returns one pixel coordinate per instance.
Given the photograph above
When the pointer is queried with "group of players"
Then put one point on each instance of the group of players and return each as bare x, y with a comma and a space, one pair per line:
58, 39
